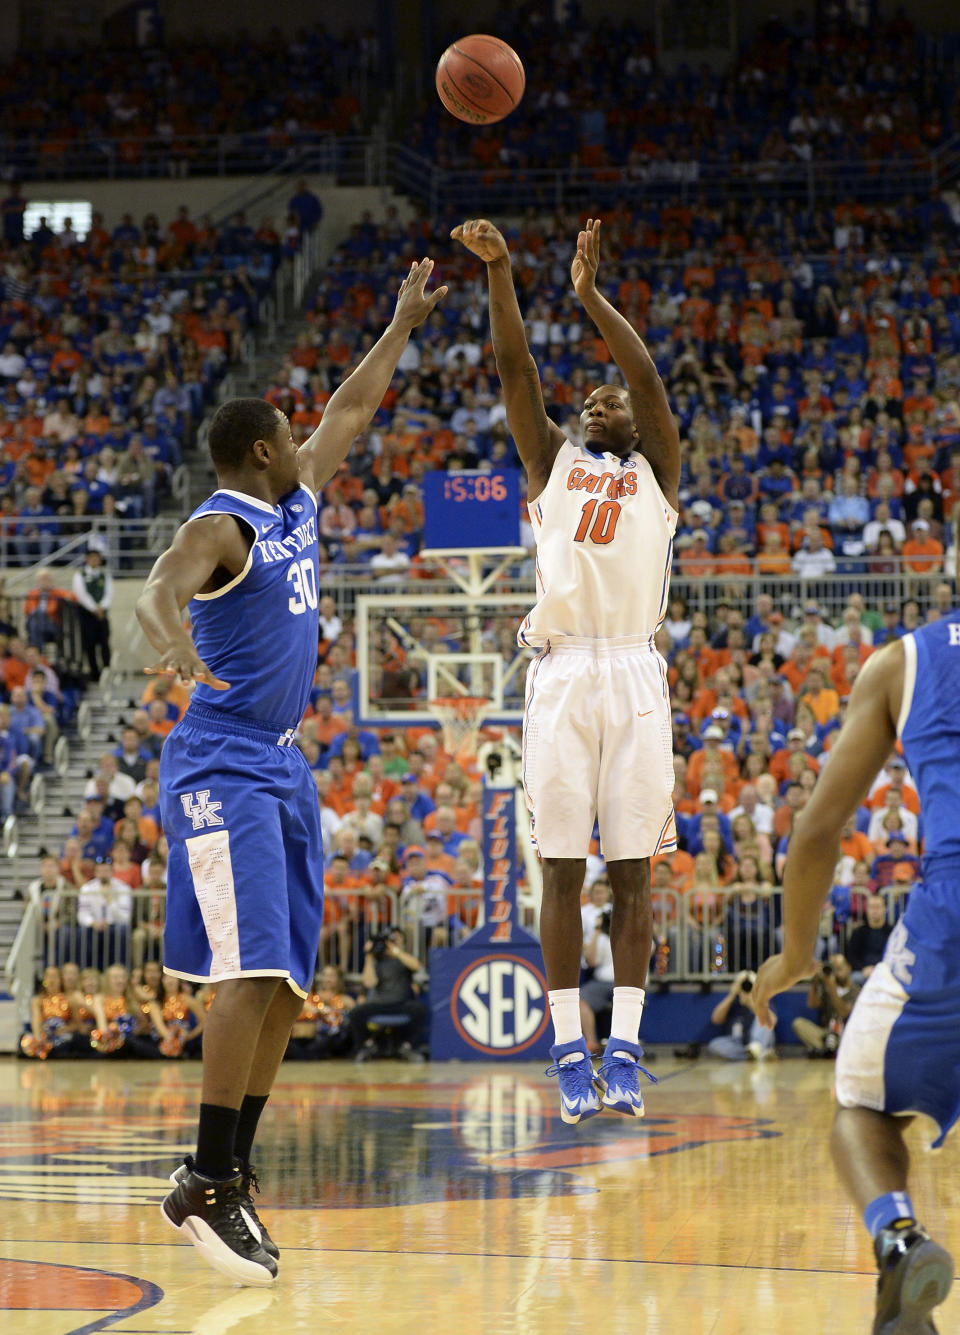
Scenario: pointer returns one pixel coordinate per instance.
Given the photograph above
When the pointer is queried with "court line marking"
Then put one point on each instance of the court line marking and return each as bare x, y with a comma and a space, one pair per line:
506, 1256
150, 1293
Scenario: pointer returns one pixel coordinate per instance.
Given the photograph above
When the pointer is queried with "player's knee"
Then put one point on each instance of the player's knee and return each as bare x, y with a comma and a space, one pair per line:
563, 876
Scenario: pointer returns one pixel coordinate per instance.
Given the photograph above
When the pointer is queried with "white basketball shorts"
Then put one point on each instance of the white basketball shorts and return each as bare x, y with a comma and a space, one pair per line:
597, 742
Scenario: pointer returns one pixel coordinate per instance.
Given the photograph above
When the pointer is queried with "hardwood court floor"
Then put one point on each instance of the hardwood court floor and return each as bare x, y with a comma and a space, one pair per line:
447, 1199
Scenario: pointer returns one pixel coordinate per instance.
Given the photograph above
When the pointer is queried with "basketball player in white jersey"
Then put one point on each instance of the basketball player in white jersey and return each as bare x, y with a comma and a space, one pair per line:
597, 738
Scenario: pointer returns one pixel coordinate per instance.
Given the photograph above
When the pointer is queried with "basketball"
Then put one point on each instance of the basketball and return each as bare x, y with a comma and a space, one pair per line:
480, 79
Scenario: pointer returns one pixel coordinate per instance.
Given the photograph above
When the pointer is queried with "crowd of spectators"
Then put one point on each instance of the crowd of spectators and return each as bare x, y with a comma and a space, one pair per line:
803, 90
813, 360
161, 103
111, 347
813, 88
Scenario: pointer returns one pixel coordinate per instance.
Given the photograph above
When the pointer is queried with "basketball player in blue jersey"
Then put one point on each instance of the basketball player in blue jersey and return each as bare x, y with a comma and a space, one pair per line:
900, 1051
239, 806
596, 733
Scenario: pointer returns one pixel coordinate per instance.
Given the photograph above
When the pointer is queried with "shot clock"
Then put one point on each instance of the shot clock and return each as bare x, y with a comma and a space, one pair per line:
469, 508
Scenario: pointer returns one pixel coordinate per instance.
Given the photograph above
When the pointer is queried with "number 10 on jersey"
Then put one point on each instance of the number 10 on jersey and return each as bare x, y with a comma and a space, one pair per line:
598, 521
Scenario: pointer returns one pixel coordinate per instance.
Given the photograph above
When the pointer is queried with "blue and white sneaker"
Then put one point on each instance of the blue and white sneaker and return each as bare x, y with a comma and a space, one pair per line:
618, 1077
578, 1097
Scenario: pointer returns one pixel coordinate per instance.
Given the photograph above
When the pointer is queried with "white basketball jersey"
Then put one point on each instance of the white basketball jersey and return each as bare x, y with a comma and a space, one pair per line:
604, 533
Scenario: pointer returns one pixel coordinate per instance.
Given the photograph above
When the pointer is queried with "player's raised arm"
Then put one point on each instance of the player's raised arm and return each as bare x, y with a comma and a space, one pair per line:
352, 407
659, 437
199, 549
868, 733
538, 439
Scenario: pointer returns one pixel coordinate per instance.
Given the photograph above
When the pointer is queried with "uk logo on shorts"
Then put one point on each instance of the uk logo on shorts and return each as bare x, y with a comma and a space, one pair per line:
499, 1004
199, 810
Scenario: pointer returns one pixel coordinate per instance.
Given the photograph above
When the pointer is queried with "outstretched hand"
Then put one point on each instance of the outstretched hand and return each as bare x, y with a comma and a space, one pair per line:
775, 976
482, 239
583, 270
414, 304
185, 663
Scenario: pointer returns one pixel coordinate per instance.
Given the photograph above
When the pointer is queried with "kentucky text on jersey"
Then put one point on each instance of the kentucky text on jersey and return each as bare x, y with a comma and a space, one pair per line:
299, 540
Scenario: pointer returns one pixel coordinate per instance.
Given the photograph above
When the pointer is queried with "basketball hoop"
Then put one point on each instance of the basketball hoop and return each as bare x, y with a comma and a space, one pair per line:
461, 718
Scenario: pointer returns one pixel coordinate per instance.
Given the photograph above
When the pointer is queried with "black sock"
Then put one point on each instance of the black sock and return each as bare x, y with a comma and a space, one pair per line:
250, 1110
215, 1140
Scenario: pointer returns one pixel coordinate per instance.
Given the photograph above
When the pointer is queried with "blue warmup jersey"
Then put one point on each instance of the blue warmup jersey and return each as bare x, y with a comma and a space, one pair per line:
900, 1051
238, 800
929, 728
260, 631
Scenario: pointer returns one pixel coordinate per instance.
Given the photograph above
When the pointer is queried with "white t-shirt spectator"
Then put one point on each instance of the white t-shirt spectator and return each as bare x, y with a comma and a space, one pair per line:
872, 531
603, 969
589, 915
111, 903
122, 786
813, 565
330, 628
390, 568
11, 365
908, 824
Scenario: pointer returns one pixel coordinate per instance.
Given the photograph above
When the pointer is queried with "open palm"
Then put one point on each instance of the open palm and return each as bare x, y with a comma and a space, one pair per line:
586, 261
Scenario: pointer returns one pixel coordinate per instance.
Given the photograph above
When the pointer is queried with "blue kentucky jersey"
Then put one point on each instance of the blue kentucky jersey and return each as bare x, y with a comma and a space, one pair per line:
260, 631
930, 732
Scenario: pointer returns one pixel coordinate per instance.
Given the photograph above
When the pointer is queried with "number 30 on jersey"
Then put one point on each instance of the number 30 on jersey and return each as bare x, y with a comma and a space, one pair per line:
303, 576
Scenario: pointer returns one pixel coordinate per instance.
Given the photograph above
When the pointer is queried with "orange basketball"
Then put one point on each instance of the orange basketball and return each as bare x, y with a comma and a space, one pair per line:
480, 79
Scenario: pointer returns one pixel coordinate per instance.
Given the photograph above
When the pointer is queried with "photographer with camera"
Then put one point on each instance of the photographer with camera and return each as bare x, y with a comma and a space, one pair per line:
388, 974
831, 994
744, 1036
597, 994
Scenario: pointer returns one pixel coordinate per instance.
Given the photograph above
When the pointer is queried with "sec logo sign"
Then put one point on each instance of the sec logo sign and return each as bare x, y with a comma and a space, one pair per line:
499, 1004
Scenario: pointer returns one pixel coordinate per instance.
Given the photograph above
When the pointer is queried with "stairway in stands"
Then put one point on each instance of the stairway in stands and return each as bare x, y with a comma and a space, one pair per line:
97, 728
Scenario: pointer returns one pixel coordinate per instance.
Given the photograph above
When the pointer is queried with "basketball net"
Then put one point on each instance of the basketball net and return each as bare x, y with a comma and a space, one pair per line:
461, 718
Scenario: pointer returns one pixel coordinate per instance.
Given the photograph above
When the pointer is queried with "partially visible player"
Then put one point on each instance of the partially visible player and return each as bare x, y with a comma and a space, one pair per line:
596, 734
900, 1051
239, 805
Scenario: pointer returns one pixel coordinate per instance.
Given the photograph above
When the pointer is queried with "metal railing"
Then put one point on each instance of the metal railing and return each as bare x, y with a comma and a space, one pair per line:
790, 592
129, 546
370, 160
132, 546
702, 935
175, 157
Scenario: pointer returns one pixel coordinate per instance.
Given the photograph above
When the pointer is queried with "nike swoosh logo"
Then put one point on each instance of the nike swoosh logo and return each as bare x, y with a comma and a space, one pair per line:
644, 713
265, 528
250, 1224
574, 1105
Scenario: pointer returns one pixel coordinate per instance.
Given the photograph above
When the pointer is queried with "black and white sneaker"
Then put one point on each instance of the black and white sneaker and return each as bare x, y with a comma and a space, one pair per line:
250, 1184
915, 1277
212, 1216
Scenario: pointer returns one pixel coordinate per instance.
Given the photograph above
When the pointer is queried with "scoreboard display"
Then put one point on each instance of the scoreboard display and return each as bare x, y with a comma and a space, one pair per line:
469, 508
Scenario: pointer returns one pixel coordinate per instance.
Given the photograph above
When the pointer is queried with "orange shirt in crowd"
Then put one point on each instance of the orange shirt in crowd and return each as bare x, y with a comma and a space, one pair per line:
920, 555
731, 769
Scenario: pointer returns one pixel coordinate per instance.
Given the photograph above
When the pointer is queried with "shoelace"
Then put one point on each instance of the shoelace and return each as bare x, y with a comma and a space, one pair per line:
250, 1179
234, 1224
612, 1063
585, 1065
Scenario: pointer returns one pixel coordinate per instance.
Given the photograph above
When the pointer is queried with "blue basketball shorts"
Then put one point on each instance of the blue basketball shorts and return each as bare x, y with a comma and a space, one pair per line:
245, 871
900, 1051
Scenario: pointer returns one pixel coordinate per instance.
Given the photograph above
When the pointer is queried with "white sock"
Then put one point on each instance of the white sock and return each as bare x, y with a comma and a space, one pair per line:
565, 1013
627, 1012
